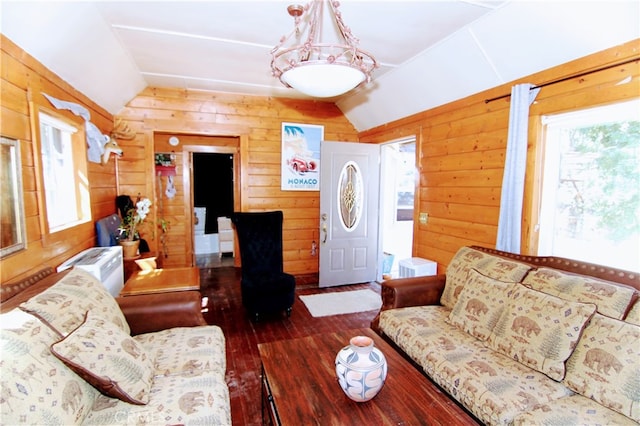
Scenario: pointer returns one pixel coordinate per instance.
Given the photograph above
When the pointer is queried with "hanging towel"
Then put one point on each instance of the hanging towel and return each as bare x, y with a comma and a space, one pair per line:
171, 189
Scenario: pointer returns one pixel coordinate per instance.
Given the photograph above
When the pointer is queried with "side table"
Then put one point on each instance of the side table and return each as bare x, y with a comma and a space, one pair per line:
162, 281
130, 266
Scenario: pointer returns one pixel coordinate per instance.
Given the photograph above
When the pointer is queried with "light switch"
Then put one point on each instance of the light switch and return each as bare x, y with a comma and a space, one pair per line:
424, 217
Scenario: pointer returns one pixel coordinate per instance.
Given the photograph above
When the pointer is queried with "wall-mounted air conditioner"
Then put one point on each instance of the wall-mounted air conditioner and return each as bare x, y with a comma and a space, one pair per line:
104, 263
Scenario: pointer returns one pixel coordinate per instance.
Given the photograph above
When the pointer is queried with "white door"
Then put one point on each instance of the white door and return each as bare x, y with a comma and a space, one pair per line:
349, 194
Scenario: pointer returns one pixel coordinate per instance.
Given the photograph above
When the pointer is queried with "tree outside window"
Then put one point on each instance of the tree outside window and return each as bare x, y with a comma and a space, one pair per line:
591, 193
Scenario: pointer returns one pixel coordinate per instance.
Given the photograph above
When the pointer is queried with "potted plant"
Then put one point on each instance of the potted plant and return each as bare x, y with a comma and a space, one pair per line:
129, 237
164, 227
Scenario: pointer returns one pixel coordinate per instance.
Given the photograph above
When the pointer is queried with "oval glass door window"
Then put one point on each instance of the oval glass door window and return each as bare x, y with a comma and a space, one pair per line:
350, 194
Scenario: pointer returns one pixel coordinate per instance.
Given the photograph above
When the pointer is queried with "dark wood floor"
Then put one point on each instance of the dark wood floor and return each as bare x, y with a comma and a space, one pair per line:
221, 287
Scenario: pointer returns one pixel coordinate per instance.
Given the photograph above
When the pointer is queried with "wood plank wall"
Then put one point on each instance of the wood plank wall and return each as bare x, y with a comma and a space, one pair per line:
20, 74
176, 211
461, 151
255, 122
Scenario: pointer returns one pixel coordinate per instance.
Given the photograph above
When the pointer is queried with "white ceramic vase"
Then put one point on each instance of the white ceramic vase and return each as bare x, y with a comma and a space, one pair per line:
361, 369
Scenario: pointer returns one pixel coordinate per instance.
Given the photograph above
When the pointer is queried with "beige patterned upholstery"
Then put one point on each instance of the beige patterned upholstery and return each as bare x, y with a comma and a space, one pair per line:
545, 342
612, 299
572, 410
492, 386
179, 373
37, 388
492, 266
605, 365
540, 330
633, 316
186, 350
64, 304
480, 304
108, 359
174, 400
189, 386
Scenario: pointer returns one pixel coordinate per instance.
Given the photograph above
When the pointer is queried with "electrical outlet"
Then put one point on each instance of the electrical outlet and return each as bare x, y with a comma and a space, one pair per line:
424, 217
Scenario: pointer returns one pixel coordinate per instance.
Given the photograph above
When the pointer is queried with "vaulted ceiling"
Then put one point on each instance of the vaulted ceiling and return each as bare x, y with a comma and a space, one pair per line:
430, 52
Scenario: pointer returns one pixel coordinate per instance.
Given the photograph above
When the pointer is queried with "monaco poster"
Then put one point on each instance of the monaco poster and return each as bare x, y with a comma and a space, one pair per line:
301, 156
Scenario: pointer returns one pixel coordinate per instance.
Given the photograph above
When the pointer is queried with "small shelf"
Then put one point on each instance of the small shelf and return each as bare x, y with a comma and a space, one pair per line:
225, 236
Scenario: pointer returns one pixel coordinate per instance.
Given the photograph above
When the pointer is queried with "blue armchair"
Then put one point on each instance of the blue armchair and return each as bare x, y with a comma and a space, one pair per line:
107, 230
107, 233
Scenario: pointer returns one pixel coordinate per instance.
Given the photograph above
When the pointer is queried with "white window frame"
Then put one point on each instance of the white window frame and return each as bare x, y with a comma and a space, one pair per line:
58, 171
72, 175
595, 251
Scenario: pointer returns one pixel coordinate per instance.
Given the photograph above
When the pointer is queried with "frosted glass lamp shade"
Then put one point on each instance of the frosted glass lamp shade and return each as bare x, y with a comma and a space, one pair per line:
323, 80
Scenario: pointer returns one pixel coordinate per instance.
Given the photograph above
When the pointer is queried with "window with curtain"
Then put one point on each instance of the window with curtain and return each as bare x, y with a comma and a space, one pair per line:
590, 203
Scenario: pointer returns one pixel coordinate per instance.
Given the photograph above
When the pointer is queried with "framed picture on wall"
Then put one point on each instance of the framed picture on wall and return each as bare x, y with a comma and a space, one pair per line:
301, 157
12, 210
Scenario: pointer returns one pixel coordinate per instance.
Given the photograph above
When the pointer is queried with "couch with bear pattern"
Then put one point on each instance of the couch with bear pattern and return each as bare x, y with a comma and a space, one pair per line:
69, 356
522, 339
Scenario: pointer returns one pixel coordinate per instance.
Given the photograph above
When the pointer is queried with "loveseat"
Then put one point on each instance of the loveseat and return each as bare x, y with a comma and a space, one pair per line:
522, 339
72, 354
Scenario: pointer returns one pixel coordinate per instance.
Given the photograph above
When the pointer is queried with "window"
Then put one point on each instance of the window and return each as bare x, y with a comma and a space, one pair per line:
590, 204
64, 176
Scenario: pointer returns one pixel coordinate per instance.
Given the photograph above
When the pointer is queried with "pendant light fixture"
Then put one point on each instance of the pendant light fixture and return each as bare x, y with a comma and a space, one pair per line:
301, 61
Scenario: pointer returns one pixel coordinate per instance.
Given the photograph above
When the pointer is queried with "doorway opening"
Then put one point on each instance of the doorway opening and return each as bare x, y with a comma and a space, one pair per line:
213, 204
397, 190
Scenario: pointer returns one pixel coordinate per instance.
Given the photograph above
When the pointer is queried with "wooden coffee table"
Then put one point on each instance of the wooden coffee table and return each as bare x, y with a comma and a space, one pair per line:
299, 386
162, 281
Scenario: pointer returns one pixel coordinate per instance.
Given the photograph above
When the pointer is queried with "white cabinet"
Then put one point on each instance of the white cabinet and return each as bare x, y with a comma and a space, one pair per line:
104, 263
225, 236
417, 267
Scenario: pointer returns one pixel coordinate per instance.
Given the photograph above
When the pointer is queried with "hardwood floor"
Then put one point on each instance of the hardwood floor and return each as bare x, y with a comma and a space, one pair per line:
221, 288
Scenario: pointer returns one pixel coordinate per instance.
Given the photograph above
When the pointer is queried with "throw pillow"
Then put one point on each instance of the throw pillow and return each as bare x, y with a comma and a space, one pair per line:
487, 264
540, 330
480, 304
605, 365
64, 304
107, 358
633, 316
612, 299
37, 388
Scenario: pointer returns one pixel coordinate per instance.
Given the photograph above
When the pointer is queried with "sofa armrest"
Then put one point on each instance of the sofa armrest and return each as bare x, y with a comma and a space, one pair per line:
405, 292
147, 313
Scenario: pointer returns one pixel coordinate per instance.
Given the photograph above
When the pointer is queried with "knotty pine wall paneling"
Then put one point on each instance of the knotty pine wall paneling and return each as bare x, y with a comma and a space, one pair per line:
461, 151
22, 76
256, 121
177, 211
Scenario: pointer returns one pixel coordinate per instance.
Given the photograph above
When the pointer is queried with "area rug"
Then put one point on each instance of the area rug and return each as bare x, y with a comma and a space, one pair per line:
341, 302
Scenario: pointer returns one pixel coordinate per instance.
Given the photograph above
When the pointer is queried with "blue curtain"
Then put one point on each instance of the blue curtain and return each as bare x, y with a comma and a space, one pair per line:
509, 224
